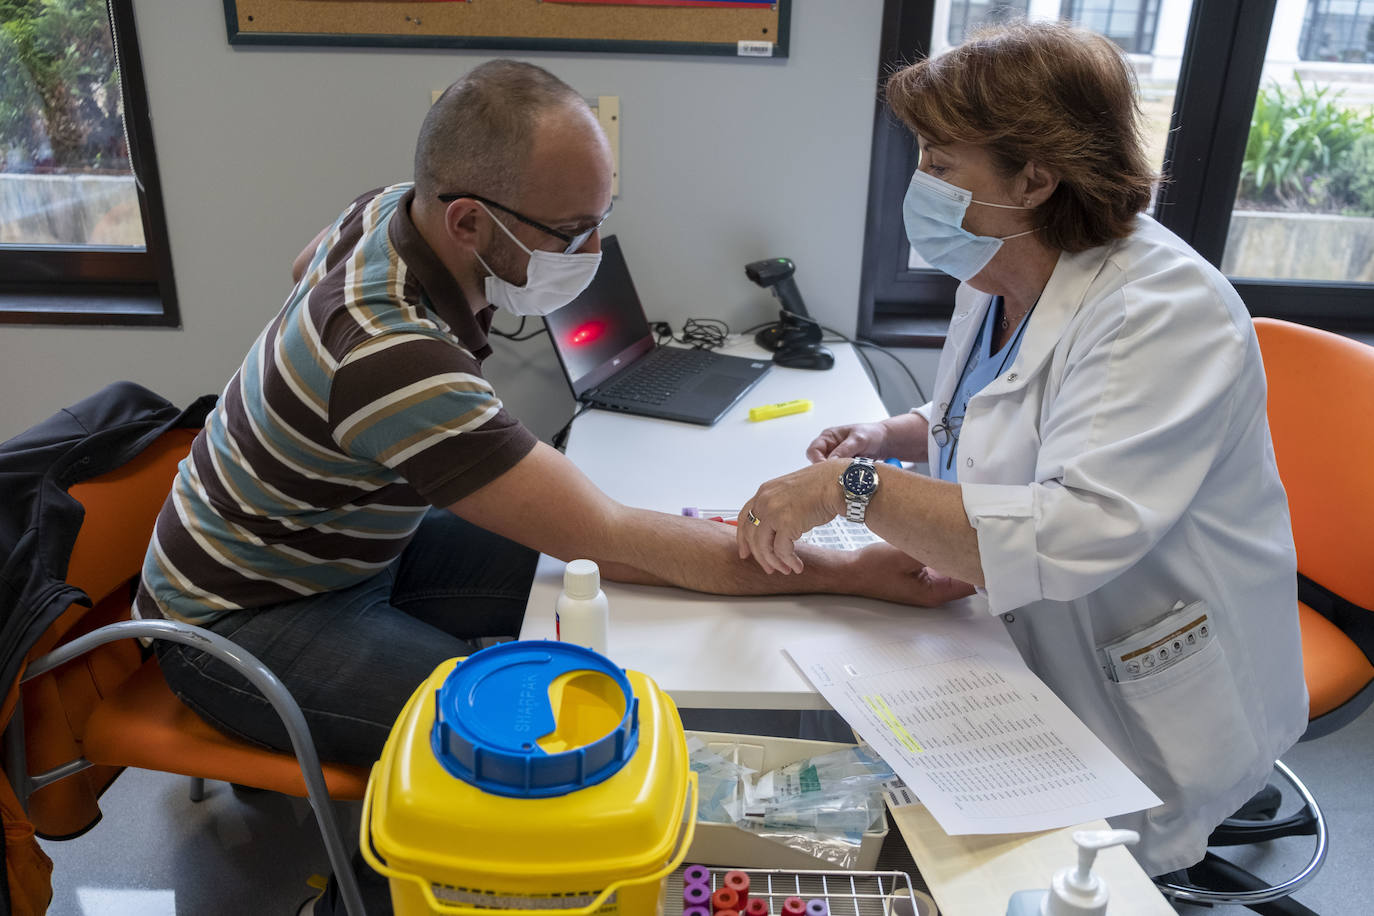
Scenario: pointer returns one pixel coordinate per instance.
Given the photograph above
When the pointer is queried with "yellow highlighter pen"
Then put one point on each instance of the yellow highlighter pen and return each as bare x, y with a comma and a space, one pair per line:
781, 409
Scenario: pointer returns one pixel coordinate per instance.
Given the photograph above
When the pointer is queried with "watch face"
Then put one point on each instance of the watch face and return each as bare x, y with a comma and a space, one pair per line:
860, 480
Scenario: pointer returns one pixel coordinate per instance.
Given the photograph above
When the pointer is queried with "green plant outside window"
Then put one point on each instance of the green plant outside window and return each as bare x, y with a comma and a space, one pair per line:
1307, 151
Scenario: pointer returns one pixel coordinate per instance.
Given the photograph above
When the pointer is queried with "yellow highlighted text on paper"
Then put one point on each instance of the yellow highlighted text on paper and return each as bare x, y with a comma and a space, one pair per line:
883, 711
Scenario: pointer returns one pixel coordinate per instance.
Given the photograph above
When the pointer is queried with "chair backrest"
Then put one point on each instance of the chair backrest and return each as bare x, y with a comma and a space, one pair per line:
106, 559
121, 509
1321, 416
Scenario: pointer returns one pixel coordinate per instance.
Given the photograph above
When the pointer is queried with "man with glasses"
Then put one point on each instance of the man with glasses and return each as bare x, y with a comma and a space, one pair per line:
361, 506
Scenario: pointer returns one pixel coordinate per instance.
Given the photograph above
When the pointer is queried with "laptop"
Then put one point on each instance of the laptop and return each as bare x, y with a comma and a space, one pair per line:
612, 361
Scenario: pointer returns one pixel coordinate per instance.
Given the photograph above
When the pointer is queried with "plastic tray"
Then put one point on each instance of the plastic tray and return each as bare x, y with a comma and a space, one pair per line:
726, 844
849, 893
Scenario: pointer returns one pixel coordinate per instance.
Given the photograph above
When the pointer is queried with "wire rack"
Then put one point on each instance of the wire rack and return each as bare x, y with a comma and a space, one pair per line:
848, 893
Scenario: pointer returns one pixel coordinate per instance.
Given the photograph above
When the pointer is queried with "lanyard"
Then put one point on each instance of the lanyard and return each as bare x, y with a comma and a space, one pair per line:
1011, 347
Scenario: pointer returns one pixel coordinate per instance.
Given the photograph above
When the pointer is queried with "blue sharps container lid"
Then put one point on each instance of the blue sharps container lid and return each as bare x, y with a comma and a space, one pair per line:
494, 707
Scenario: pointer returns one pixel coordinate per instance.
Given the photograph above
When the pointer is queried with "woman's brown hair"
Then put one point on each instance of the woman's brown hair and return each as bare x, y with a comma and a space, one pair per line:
1049, 93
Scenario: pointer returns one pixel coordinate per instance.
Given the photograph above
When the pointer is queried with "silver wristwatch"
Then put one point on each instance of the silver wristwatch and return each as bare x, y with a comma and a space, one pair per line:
859, 482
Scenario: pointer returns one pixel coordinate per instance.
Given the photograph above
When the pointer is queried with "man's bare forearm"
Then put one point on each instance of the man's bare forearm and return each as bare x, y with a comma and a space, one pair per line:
659, 549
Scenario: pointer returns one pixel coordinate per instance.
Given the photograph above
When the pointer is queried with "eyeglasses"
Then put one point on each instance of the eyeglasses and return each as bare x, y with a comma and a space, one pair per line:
946, 433
574, 242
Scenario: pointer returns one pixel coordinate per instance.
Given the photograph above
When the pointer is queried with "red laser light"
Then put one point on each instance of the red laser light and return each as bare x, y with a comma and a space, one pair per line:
586, 332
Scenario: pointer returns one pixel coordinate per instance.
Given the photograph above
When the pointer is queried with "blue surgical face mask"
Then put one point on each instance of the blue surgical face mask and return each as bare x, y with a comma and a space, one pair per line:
933, 211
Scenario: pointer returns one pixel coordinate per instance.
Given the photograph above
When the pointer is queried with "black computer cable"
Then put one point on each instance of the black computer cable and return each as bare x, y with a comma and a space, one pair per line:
697, 333
560, 438
519, 333
860, 342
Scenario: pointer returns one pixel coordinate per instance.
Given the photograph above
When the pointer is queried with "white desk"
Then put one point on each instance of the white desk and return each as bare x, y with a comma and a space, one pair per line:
662, 631
976, 875
664, 465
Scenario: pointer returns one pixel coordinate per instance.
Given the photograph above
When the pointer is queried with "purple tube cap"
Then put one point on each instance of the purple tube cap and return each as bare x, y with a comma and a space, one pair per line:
696, 895
696, 874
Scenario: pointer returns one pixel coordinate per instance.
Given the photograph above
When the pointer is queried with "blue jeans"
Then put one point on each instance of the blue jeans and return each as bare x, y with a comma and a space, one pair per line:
353, 657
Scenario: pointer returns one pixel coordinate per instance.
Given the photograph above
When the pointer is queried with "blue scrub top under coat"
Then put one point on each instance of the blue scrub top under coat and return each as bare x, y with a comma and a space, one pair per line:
981, 368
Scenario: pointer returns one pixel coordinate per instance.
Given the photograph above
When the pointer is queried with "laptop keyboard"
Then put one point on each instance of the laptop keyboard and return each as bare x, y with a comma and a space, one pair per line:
659, 375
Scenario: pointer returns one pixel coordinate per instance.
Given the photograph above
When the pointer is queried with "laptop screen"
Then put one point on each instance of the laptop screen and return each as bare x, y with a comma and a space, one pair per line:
604, 329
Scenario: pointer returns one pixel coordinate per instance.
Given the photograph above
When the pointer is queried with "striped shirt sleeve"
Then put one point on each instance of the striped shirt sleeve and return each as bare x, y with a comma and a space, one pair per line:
437, 422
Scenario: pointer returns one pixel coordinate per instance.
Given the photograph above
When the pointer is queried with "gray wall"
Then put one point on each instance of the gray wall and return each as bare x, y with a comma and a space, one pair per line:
723, 161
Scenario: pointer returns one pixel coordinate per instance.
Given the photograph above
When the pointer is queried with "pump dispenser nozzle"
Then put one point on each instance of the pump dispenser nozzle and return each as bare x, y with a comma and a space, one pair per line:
1077, 891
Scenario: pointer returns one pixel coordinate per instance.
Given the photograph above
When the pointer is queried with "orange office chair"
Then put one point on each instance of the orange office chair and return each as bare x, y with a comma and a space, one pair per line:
91, 703
1321, 400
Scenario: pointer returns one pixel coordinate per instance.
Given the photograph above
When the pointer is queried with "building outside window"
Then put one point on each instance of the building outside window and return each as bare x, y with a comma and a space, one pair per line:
1338, 30
1129, 23
966, 15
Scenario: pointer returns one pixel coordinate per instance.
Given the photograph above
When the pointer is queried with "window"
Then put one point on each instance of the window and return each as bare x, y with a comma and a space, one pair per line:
1223, 103
1304, 207
1338, 30
83, 237
966, 15
1129, 23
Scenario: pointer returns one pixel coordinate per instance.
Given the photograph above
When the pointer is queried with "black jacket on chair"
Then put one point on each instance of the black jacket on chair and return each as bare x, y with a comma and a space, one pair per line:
39, 521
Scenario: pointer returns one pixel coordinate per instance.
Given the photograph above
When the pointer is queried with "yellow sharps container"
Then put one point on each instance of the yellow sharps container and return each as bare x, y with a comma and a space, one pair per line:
533, 777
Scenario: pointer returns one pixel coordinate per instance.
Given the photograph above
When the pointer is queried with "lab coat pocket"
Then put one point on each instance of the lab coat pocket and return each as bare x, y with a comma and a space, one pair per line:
1188, 725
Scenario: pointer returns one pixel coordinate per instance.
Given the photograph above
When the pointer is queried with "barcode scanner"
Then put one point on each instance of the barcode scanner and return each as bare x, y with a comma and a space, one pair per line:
795, 338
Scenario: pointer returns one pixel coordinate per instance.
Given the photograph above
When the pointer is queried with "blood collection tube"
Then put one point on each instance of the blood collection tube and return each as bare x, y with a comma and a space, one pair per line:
817, 907
696, 874
696, 911
725, 899
757, 906
727, 912
794, 906
696, 895
738, 882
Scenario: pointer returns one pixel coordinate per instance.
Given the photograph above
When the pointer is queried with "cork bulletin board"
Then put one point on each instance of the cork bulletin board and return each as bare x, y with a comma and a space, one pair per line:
744, 28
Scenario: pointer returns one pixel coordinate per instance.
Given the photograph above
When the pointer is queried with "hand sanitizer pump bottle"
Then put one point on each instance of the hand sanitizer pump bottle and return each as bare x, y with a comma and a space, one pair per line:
581, 615
1075, 891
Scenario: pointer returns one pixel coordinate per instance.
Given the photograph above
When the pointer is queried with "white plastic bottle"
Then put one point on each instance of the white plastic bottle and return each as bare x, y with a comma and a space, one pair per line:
581, 616
1075, 891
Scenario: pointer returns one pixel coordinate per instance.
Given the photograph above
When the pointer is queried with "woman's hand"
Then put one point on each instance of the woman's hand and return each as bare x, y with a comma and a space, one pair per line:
784, 509
866, 439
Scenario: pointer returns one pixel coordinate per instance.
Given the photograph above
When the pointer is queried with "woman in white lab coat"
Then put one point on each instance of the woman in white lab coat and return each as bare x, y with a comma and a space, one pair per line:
1100, 461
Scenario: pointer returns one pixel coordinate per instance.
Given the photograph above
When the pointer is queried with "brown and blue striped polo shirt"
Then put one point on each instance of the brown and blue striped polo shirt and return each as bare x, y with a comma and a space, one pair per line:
359, 406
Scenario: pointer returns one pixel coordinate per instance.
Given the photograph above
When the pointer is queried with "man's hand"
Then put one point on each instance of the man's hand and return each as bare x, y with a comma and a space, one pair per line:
885, 572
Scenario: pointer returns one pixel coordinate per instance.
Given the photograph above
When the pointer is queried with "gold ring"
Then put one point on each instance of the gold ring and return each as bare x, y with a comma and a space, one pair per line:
753, 519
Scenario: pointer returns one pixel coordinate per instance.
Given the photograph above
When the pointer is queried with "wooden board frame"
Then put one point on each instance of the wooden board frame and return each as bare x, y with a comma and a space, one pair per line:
511, 25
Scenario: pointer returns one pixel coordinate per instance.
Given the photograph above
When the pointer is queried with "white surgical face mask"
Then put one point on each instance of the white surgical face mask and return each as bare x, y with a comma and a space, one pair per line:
552, 279
933, 212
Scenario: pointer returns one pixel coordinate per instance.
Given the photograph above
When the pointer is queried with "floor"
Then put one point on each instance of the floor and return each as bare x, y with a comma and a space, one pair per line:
157, 854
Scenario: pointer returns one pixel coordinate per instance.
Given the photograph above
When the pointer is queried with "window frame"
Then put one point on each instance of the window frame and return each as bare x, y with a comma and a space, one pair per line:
1215, 100
101, 285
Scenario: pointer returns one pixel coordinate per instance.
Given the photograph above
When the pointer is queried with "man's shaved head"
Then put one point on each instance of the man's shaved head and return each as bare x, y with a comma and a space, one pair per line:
478, 135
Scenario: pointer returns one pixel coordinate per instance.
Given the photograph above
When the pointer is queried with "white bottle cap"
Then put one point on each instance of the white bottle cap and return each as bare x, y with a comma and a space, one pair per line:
581, 579
1077, 891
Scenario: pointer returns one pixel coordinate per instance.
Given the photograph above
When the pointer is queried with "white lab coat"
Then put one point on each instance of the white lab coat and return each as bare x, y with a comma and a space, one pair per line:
1122, 463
